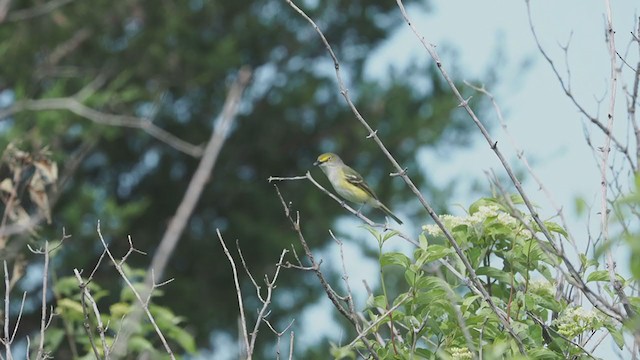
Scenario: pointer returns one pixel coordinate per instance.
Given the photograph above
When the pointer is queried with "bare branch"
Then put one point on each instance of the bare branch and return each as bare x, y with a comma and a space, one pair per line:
604, 208
75, 106
7, 337
383, 317
37, 10
525, 161
315, 267
566, 87
142, 303
43, 310
87, 325
202, 175
342, 203
236, 282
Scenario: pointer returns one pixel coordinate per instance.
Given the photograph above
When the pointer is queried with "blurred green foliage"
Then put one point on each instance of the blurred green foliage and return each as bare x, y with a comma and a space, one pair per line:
143, 340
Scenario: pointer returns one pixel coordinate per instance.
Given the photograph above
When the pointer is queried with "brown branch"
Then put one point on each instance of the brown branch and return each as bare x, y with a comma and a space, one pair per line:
201, 176
6, 339
194, 190
86, 295
604, 208
37, 10
236, 283
315, 267
139, 296
342, 203
75, 106
67, 47
43, 309
4, 8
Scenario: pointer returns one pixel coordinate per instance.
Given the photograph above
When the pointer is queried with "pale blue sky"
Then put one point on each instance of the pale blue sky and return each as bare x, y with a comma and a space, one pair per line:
540, 117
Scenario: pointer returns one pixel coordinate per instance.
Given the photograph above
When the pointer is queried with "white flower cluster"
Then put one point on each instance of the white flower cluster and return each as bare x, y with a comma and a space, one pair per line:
484, 212
574, 321
542, 287
459, 353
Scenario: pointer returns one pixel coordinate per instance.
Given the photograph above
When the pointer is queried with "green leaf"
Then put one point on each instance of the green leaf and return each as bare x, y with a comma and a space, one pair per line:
375, 233
68, 286
53, 338
473, 208
394, 258
556, 228
139, 344
184, 338
543, 354
377, 301
424, 353
602, 275
69, 307
424, 243
534, 301
494, 273
342, 352
389, 234
411, 276
616, 334
435, 252
119, 309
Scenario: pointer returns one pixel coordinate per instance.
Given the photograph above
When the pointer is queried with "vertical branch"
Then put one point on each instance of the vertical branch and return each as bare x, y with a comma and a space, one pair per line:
200, 177
243, 320
194, 190
606, 149
265, 303
43, 310
143, 304
6, 339
101, 329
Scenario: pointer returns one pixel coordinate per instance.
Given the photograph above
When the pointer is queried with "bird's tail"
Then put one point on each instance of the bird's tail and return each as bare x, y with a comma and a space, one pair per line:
388, 212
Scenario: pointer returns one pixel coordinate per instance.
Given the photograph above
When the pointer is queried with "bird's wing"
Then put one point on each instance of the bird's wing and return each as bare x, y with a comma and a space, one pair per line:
356, 179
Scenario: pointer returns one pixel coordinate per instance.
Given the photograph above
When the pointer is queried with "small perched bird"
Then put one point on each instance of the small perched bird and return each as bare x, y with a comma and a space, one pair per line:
349, 184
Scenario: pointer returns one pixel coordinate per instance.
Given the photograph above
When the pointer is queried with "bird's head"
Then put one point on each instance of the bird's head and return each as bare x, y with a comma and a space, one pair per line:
327, 159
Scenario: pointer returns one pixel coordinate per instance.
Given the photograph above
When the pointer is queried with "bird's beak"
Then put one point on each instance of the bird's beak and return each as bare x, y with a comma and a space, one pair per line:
316, 163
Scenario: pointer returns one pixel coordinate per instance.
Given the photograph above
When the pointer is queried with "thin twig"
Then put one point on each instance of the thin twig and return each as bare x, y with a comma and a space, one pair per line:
265, 303
43, 310
383, 317
6, 338
136, 294
200, 178
559, 210
567, 90
342, 203
315, 267
236, 283
87, 326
